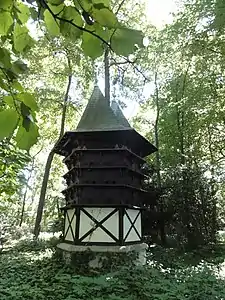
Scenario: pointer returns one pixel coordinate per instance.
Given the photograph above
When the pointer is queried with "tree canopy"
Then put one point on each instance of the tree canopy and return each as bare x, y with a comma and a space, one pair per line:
174, 74
92, 24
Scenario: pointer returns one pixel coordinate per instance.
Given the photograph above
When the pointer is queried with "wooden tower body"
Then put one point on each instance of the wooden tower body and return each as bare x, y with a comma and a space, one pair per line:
104, 194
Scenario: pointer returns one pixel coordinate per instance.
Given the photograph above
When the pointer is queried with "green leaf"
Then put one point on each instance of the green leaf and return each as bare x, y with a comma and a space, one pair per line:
91, 45
106, 3
17, 86
9, 100
25, 110
51, 24
33, 13
67, 29
6, 4
26, 139
3, 85
124, 41
8, 122
55, 2
21, 38
105, 17
5, 60
57, 9
10, 74
6, 22
19, 67
28, 100
23, 12
100, 31
85, 4
26, 123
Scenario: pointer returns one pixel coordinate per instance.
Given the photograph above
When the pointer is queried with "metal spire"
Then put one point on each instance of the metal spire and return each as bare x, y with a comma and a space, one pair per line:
95, 74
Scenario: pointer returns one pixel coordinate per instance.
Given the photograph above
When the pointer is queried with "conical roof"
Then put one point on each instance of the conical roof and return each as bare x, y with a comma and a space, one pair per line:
99, 116
119, 114
109, 122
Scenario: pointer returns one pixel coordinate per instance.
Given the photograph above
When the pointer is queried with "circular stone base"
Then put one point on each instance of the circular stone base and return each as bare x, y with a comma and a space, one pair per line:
103, 257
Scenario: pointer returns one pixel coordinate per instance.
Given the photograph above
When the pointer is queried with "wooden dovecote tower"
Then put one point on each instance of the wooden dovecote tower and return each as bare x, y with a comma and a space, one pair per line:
104, 194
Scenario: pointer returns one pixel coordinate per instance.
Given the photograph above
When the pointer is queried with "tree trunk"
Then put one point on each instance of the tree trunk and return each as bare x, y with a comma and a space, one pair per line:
48, 164
107, 75
156, 133
26, 189
25, 194
62, 127
185, 213
213, 188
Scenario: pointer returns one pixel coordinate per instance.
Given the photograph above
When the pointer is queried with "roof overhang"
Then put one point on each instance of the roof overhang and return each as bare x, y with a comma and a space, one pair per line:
131, 138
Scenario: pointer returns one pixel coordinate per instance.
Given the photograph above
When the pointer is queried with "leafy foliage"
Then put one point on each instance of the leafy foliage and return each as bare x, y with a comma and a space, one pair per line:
92, 22
13, 162
184, 114
191, 200
37, 275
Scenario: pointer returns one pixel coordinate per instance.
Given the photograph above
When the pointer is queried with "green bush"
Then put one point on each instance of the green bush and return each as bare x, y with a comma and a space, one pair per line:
176, 259
29, 244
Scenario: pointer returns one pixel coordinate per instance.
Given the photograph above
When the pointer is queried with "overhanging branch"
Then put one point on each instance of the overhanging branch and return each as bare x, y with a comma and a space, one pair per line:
57, 17
132, 63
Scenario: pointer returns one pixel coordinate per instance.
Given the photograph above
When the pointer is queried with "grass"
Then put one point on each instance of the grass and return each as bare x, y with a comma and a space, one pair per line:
33, 271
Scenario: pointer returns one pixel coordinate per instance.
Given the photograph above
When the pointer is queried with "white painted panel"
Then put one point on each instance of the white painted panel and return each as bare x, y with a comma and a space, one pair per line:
132, 213
132, 236
99, 236
99, 214
66, 224
127, 224
112, 224
138, 225
85, 224
69, 216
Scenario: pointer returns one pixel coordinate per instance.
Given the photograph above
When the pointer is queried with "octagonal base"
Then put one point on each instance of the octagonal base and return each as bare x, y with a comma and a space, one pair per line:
99, 257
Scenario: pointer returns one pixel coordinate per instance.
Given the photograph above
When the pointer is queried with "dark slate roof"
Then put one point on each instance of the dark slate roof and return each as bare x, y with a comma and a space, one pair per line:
119, 114
99, 116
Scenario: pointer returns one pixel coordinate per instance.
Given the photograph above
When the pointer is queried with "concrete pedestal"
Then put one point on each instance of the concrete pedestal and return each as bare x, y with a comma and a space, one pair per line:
96, 257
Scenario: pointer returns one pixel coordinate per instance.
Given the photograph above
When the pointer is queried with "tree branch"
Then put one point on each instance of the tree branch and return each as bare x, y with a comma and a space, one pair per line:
119, 7
57, 17
132, 63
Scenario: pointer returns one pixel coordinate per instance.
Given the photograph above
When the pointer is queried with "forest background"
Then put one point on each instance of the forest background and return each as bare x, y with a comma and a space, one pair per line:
168, 78
167, 73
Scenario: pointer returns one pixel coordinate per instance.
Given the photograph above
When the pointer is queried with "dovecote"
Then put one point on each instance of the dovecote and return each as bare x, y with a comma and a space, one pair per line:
104, 195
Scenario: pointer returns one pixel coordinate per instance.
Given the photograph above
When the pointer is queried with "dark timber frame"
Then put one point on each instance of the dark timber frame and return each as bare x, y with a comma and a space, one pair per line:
106, 169
120, 240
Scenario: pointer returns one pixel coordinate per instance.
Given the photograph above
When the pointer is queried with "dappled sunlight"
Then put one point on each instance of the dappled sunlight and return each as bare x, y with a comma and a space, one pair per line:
159, 64
47, 235
38, 274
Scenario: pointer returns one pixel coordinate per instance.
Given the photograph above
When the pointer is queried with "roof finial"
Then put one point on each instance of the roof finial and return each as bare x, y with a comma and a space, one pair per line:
95, 74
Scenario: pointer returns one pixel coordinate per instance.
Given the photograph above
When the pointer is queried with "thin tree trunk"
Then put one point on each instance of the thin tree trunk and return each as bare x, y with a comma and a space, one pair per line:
186, 213
26, 189
107, 75
180, 115
49, 162
25, 194
37, 227
212, 184
65, 104
156, 133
